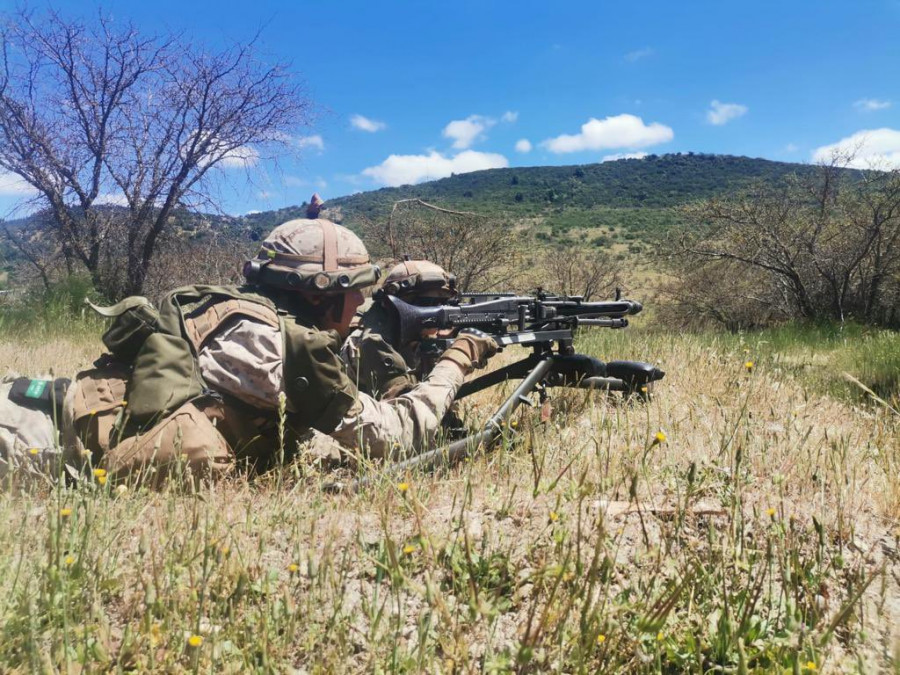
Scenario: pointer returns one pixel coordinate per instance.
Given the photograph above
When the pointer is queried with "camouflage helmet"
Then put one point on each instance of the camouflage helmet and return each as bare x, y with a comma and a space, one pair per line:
312, 255
420, 279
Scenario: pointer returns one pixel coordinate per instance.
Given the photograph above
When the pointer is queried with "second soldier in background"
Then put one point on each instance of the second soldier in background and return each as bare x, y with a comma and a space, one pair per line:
378, 360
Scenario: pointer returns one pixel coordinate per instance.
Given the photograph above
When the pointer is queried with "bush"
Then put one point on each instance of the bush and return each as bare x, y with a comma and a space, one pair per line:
825, 246
57, 309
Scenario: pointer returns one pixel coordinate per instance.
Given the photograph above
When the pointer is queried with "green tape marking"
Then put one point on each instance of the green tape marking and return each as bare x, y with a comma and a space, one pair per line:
36, 388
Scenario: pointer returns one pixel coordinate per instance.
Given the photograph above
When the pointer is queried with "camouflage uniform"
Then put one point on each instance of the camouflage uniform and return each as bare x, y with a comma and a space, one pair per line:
377, 360
219, 368
245, 360
28, 438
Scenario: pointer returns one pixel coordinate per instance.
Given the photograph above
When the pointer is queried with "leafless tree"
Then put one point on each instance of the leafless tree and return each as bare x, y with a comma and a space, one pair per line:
483, 252
213, 258
572, 270
99, 113
820, 245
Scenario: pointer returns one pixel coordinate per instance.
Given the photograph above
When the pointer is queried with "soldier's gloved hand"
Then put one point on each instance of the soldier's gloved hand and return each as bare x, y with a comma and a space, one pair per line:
471, 349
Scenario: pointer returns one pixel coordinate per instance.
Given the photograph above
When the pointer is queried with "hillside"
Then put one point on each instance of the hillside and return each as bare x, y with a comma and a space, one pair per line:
652, 182
627, 202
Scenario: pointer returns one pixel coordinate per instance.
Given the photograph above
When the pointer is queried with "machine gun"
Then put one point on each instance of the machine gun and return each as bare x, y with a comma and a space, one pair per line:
536, 318
544, 322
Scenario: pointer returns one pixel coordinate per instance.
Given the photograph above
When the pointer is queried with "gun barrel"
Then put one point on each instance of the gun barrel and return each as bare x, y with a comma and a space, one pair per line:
482, 295
604, 322
611, 308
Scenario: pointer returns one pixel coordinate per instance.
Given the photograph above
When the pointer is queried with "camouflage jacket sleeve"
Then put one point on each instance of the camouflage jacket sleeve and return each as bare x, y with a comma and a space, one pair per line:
404, 425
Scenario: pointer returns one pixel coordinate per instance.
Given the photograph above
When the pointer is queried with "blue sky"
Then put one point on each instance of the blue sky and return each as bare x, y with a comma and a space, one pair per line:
455, 86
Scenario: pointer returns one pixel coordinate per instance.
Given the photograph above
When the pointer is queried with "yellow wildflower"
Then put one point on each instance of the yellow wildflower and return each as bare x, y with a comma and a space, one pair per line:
65, 513
514, 424
644, 389
659, 636
811, 665
601, 639
403, 487
554, 516
155, 634
770, 512
33, 451
70, 560
195, 641
660, 437
99, 473
293, 568
409, 548
101, 480
749, 366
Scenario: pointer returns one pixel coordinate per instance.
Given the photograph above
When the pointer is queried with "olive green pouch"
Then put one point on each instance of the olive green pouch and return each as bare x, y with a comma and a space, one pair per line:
314, 378
134, 319
381, 369
164, 377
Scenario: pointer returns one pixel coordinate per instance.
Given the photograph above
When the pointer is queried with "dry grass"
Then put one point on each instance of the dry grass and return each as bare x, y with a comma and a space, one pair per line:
48, 354
758, 533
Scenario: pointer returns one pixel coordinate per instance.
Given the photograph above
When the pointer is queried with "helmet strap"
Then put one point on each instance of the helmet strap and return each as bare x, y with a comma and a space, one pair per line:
329, 246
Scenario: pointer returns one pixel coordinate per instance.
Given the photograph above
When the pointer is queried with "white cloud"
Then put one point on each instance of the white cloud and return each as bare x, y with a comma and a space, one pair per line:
871, 104
510, 116
12, 185
623, 155
465, 132
365, 124
523, 145
300, 142
721, 113
407, 169
866, 149
619, 131
112, 199
243, 157
316, 142
639, 54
